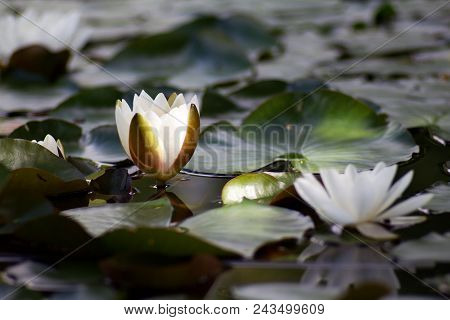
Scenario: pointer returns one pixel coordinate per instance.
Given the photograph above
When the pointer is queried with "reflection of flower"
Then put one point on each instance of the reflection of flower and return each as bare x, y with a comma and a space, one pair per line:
346, 265
359, 198
159, 135
52, 30
55, 146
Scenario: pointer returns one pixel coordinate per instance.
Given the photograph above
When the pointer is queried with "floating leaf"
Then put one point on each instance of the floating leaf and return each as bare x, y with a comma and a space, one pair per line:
19, 182
409, 102
325, 129
261, 89
214, 104
165, 274
101, 144
101, 219
167, 242
39, 277
441, 199
17, 293
37, 130
245, 227
89, 107
17, 154
433, 247
34, 97
202, 52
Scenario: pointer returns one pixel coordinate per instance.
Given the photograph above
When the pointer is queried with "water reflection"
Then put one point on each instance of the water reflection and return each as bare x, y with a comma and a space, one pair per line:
346, 266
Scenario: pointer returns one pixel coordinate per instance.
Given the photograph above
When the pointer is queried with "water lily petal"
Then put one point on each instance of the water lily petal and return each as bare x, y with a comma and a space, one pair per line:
144, 102
189, 142
123, 124
407, 206
375, 231
160, 105
194, 101
50, 144
382, 178
339, 190
179, 101
317, 197
396, 191
146, 148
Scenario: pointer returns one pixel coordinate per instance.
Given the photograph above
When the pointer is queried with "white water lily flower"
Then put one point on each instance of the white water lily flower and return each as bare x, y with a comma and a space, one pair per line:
54, 146
159, 135
359, 199
52, 30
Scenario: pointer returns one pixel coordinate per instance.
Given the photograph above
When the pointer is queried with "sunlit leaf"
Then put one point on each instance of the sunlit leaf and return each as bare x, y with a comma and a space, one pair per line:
101, 219
325, 129
17, 154
245, 227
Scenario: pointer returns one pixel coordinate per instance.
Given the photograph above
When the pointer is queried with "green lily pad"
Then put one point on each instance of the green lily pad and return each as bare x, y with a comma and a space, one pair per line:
37, 130
109, 217
245, 227
441, 200
33, 97
261, 187
101, 144
18, 153
22, 181
8, 292
324, 129
89, 107
163, 241
262, 88
221, 151
418, 38
64, 278
162, 273
204, 51
409, 102
214, 104
433, 247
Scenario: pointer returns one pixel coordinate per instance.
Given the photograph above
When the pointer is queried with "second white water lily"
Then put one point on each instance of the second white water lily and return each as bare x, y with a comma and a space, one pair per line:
159, 135
53, 145
359, 199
